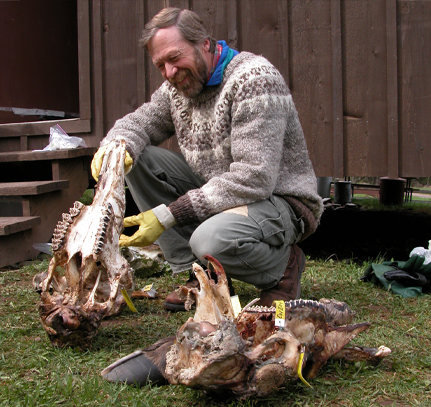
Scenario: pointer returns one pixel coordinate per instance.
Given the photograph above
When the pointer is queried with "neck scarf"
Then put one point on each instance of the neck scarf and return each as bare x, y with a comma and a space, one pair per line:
222, 56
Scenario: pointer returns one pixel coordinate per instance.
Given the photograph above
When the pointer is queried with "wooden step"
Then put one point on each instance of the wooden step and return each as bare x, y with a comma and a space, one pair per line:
28, 155
31, 187
71, 165
10, 225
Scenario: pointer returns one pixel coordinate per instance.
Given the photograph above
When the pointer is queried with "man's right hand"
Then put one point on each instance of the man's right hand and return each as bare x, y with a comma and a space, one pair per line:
96, 163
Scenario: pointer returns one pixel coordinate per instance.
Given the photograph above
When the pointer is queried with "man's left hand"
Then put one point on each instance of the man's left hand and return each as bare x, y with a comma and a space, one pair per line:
149, 230
96, 163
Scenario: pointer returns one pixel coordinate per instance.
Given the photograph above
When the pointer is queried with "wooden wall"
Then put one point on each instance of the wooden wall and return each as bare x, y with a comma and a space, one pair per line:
359, 72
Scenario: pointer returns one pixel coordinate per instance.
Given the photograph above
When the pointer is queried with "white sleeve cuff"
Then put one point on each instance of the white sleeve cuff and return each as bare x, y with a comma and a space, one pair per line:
164, 216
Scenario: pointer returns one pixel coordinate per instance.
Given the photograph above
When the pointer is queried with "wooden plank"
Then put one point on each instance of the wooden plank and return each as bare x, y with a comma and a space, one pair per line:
153, 77
12, 156
11, 206
392, 87
140, 55
97, 70
32, 187
84, 60
364, 87
23, 143
10, 225
310, 77
42, 127
337, 90
284, 48
260, 31
120, 50
414, 61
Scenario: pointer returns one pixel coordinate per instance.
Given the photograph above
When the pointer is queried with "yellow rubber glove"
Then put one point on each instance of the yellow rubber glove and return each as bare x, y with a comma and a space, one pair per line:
96, 162
149, 230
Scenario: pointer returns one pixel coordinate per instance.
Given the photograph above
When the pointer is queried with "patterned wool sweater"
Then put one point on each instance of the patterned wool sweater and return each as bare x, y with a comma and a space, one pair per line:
242, 136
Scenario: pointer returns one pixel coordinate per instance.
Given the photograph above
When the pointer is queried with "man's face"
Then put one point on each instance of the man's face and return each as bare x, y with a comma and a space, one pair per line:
184, 65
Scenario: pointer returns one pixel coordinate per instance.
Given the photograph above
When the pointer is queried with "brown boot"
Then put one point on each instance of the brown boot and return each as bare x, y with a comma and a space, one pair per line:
289, 287
173, 302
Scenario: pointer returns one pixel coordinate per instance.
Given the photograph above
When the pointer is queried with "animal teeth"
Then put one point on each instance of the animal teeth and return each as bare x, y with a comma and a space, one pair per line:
62, 225
74, 212
109, 209
76, 209
78, 205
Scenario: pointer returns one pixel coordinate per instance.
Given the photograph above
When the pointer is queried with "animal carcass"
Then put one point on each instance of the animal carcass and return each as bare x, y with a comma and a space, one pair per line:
249, 355
87, 272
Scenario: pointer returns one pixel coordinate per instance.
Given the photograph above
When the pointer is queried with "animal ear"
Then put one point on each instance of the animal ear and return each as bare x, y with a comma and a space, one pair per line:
334, 341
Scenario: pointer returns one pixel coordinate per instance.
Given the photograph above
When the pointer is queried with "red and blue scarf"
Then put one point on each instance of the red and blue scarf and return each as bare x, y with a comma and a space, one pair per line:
222, 56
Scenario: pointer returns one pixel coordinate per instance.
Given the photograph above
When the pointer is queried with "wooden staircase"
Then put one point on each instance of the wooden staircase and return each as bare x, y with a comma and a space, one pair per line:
36, 187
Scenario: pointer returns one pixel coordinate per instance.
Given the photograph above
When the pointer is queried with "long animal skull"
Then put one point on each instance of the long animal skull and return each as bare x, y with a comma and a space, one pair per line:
85, 247
249, 355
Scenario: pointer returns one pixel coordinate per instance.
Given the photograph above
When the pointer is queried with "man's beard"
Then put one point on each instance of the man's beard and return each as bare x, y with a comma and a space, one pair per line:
196, 81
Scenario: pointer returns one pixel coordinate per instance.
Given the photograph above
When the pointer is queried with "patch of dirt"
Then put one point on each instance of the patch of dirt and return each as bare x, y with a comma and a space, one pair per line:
361, 235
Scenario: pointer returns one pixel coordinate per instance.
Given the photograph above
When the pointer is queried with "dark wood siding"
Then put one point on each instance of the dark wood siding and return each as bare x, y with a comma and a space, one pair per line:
359, 72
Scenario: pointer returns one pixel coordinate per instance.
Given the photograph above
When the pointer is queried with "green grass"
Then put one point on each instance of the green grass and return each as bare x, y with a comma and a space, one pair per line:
370, 203
33, 373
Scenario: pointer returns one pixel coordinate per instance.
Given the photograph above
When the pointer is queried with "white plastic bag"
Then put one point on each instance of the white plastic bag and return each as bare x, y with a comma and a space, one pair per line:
60, 140
421, 251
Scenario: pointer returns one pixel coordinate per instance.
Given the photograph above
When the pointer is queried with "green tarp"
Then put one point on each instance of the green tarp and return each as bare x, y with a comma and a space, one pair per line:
375, 273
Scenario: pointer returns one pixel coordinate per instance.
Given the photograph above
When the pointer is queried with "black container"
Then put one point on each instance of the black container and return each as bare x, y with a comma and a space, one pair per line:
343, 192
392, 191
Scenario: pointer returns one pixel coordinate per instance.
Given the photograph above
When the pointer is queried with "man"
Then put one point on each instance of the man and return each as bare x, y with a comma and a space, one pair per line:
243, 190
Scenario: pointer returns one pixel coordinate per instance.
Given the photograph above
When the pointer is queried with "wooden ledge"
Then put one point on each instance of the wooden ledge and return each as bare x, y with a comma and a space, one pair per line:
9, 225
29, 155
31, 187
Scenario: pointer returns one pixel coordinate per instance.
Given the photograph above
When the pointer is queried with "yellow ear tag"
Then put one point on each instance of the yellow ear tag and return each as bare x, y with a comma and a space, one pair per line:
236, 305
280, 309
128, 300
148, 287
299, 369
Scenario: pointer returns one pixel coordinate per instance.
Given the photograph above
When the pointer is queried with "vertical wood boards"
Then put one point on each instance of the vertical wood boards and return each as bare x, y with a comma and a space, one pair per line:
358, 72
311, 77
365, 87
392, 88
414, 45
120, 53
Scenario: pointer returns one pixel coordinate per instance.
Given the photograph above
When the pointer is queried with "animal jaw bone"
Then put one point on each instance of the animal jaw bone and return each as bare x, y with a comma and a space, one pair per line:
249, 355
85, 246
212, 297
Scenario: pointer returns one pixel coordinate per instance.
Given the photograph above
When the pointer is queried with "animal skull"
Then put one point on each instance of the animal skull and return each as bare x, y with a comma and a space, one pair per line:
249, 355
85, 246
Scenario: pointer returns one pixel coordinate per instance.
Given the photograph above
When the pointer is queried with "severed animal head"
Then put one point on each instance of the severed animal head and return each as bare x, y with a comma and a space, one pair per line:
249, 355
87, 272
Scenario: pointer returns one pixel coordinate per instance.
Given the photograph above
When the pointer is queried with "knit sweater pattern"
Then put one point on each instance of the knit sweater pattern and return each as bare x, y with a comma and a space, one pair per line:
242, 136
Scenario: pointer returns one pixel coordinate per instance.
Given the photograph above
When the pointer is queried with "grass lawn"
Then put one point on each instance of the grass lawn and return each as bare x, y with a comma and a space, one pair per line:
33, 373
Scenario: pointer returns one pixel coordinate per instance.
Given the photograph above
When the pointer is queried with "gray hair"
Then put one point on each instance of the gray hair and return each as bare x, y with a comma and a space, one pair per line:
188, 23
